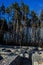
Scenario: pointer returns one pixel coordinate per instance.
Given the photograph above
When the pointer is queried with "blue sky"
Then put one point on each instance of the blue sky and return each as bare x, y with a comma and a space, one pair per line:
35, 5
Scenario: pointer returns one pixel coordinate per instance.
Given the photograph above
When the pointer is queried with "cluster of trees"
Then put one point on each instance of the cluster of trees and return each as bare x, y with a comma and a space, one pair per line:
18, 17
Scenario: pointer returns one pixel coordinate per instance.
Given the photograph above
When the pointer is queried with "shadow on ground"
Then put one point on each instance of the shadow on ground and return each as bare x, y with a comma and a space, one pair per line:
21, 61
